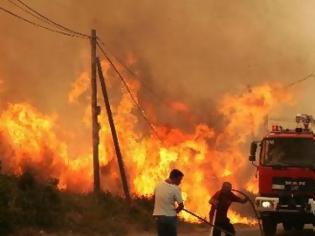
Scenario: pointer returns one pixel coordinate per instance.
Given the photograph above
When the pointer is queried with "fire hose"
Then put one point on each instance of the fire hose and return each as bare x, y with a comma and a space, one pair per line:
213, 221
253, 207
223, 230
208, 223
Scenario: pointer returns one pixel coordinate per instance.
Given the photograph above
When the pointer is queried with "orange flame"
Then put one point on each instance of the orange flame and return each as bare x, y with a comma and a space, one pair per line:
179, 106
28, 141
206, 155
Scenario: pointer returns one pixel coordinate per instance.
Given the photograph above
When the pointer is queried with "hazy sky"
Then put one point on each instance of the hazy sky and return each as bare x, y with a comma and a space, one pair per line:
185, 50
191, 50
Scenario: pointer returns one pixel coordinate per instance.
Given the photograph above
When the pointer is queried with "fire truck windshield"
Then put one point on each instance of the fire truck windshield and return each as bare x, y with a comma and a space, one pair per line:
299, 152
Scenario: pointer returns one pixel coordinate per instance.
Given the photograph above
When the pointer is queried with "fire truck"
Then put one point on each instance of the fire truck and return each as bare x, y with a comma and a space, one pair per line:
286, 176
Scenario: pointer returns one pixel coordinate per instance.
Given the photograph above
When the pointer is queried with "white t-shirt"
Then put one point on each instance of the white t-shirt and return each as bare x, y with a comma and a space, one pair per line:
165, 197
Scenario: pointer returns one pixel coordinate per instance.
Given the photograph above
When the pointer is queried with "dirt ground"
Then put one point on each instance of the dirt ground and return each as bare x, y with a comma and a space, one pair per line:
192, 230
242, 231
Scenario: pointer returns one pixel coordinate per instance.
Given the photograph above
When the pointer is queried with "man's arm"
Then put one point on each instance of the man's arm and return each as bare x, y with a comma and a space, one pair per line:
180, 207
238, 199
179, 200
214, 200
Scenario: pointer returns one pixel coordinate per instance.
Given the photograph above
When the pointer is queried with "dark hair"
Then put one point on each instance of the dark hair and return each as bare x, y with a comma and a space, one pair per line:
227, 184
175, 173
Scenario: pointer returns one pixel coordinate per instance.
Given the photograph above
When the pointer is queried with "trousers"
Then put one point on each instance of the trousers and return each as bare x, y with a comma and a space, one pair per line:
226, 225
166, 225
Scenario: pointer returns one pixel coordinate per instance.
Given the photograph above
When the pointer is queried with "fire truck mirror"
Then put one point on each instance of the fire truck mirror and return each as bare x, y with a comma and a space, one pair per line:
253, 149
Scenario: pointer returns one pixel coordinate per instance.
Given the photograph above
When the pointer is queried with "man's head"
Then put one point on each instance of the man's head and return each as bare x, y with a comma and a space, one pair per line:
226, 187
176, 176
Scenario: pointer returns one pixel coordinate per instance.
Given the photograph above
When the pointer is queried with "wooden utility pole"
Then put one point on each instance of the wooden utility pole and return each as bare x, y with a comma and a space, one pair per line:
95, 113
114, 133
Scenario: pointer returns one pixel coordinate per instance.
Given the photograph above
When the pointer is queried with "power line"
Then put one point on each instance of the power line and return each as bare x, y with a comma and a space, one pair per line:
69, 32
132, 72
300, 80
45, 19
29, 12
117, 59
51, 21
130, 93
38, 25
72, 33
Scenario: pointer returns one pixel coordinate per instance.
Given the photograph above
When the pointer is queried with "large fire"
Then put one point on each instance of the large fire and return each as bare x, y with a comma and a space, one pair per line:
28, 141
207, 156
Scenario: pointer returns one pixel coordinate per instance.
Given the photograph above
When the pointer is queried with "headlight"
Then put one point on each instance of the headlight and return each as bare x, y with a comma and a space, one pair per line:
266, 204
311, 203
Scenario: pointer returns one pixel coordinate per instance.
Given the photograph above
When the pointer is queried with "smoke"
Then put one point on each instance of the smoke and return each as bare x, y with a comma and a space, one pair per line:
186, 54
186, 51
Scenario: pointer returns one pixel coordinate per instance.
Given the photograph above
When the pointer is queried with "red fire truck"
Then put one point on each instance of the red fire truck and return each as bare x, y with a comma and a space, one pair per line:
286, 176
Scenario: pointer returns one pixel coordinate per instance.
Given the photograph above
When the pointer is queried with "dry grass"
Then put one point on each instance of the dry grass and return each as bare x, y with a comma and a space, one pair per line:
31, 208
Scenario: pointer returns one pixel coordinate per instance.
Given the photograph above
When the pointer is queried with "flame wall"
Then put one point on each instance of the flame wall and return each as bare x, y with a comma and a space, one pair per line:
191, 60
32, 140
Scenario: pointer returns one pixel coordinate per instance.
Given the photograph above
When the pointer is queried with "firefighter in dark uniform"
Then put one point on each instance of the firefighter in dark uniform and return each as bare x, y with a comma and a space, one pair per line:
220, 203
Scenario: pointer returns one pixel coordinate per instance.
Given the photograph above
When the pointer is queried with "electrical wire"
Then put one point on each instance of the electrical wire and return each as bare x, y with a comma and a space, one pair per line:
132, 73
72, 33
208, 223
29, 12
62, 27
130, 93
38, 25
253, 207
69, 32
300, 80
116, 58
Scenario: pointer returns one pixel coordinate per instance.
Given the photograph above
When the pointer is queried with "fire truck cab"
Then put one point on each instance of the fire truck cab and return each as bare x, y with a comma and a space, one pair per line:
286, 176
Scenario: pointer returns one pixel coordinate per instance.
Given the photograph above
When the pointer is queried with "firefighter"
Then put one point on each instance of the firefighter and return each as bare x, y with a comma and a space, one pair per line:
166, 195
220, 204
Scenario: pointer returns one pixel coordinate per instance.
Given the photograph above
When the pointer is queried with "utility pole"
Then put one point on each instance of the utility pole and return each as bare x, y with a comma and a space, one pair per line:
95, 112
114, 133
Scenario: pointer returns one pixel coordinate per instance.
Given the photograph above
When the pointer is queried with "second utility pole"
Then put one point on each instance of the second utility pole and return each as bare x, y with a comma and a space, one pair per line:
114, 133
95, 112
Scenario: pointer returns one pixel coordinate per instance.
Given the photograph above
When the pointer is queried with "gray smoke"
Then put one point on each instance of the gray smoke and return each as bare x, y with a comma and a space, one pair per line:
190, 51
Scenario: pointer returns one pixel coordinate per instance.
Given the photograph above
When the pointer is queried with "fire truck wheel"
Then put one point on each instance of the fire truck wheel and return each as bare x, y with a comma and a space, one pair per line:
287, 226
269, 226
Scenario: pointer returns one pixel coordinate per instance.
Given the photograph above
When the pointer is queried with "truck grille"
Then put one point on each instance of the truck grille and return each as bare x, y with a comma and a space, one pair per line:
292, 201
293, 184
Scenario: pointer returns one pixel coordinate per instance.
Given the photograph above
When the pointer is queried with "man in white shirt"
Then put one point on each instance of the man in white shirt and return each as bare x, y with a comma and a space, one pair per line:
166, 195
